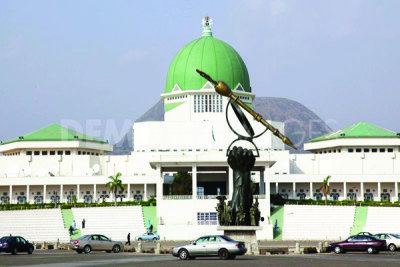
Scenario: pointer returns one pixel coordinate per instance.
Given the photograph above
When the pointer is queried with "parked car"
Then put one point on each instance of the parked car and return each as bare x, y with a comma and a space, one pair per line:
393, 240
15, 244
367, 243
87, 243
212, 245
148, 236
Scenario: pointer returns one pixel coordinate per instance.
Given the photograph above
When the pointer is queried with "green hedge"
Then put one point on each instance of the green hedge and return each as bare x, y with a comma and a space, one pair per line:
151, 202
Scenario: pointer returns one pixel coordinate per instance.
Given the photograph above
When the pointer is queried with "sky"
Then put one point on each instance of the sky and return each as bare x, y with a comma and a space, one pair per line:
97, 66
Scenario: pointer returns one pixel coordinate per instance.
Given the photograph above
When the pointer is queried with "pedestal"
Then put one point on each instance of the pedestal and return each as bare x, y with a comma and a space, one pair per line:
246, 234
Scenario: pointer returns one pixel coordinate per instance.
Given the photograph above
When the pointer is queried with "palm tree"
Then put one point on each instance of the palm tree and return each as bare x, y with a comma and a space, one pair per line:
115, 184
325, 188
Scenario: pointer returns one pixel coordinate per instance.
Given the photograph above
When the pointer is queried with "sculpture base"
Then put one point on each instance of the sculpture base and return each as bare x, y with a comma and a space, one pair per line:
246, 234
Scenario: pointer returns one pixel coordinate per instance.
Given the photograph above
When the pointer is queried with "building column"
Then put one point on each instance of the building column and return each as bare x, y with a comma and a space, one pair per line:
95, 192
276, 188
61, 193
145, 192
362, 191
311, 191
379, 191
396, 192
129, 192
194, 182
262, 183
230, 176
160, 181
11, 195
28, 194
344, 190
78, 192
44, 193
294, 190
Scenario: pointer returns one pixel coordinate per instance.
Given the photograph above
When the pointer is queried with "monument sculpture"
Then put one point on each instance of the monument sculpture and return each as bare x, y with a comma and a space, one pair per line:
241, 211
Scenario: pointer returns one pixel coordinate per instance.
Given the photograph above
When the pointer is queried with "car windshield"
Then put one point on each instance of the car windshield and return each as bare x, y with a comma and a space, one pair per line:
83, 237
4, 239
396, 235
226, 238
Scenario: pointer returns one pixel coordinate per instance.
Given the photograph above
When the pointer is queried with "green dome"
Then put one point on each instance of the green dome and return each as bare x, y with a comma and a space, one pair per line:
214, 57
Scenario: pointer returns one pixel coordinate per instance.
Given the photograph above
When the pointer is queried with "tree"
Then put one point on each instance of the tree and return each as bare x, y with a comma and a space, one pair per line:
182, 184
115, 184
325, 188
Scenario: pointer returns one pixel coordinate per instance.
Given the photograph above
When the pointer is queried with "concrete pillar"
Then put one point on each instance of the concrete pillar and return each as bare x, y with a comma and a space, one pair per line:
361, 191
294, 190
379, 192
95, 192
28, 194
44, 194
311, 191
194, 182
145, 192
344, 190
78, 192
230, 183
276, 188
396, 192
11, 195
158, 248
159, 186
129, 192
262, 183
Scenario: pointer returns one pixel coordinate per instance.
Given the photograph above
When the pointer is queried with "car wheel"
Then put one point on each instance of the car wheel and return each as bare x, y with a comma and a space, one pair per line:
87, 249
30, 250
392, 247
155, 238
116, 249
223, 254
370, 250
79, 251
14, 251
183, 254
232, 257
139, 239
337, 250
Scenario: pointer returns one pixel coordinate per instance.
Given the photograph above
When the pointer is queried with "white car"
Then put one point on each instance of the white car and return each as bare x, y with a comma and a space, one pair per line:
392, 240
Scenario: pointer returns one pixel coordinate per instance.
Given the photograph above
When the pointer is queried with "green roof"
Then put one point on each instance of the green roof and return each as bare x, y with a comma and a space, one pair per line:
214, 57
54, 132
358, 130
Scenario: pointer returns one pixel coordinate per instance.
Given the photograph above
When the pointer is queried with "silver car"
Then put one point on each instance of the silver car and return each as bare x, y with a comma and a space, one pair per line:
211, 245
88, 243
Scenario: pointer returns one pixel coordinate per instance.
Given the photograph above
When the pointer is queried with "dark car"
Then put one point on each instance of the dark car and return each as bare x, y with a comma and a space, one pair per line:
15, 244
370, 244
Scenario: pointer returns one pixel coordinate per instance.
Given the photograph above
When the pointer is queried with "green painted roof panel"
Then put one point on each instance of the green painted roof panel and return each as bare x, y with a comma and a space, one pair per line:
358, 130
54, 132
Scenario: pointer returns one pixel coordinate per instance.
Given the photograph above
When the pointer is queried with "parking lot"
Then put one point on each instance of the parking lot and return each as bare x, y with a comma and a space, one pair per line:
60, 258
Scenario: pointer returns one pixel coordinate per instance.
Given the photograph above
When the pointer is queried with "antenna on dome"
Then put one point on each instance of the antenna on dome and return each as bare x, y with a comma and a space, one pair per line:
207, 22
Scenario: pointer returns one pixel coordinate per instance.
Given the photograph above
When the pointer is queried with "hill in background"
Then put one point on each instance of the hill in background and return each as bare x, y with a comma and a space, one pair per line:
301, 124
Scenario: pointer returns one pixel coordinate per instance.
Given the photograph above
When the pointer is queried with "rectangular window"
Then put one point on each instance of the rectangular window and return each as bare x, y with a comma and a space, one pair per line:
52, 153
207, 218
351, 150
358, 149
366, 150
29, 153
209, 103
38, 193
21, 193
79, 152
374, 150
36, 153
68, 152
87, 192
382, 150
194, 103
206, 102
390, 150
44, 153
59, 152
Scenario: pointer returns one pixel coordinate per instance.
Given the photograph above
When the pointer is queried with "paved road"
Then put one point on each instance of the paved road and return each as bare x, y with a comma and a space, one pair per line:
71, 259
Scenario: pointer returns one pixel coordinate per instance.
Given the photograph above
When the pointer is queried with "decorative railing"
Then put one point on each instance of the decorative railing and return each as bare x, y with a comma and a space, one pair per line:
174, 197
209, 196
259, 196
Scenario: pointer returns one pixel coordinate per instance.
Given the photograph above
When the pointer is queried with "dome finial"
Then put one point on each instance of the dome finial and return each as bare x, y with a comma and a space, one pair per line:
207, 22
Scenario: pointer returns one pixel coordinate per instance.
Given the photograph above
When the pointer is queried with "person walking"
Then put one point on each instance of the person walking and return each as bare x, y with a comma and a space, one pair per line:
129, 239
73, 225
83, 223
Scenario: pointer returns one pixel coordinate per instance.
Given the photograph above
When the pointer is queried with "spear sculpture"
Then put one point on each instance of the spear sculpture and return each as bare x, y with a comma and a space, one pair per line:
223, 89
